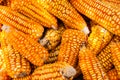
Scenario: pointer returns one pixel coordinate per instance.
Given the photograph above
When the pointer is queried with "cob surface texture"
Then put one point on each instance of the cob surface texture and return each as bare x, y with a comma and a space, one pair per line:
113, 74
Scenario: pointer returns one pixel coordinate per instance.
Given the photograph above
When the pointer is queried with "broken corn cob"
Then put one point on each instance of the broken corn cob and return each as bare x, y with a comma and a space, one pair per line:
104, 58
64, 11
20, 22
113, 74
52, 37
16, 65
55, 71
27, 47
36, 12
70, 46
90, 65
102, 13
99, 38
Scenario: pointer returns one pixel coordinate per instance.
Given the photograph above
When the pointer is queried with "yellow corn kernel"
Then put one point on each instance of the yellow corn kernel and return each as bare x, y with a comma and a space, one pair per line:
20, 22
113, 74
52, 37
99, 38
102, 13
105, 58
15, 64
63, 10
70, 46
90, 65
36, 12
55, 71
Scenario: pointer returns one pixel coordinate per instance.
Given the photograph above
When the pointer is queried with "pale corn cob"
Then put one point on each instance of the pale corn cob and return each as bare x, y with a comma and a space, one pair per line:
55, 71
63, 10
23, 78
102, 13
104, 58
115, 53
16, 65
20, 22
71, 42
28, 47
52, 37
90, 65
3, 75
113, 74
99, 38
36, 12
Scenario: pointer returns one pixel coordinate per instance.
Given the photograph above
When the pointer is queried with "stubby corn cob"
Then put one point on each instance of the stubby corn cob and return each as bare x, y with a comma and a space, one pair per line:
28, 47
20, 22
36, 12
102, 13
105, 58
55, 71
99, 38
52, 37
113, 74
64, 11
70, 45
16, 65
115, 53
90, 65
23, 78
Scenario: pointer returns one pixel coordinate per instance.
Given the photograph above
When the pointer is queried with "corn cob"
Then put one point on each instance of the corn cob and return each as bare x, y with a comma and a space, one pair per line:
16, 65
55, 71
23, 78
70, 45
113, 74
36, 12
115, 52
3, 75
27, 47
20, 22
90, 65
105, 58
52, 37
1, 58
98, 38
63, 10
102, 13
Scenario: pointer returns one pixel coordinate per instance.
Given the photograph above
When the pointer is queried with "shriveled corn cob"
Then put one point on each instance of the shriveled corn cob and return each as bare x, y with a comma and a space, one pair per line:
23, 78
36, 12
16, 65
98, 38
105, 58
115, 53
64, 11
113, 74
102, 13
3, 75
27, 47
52, 37
70, 45
20, 22
90, 65
55, 71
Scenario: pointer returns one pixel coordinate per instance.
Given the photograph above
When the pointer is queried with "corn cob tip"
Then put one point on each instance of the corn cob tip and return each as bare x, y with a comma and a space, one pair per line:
43, 41
22, 74
54, 27
5, 28
86, 30
68, 72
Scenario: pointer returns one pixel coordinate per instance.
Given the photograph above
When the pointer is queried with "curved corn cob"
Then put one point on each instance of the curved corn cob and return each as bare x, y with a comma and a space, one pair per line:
113, 74
98, 38
20, 22
64, 11
27, 47
36, 12
115, 53
90, 65
55, 71
100, 12
104, 58
70, 45
23, 78
3, 75
16, 65
52, 37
